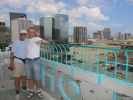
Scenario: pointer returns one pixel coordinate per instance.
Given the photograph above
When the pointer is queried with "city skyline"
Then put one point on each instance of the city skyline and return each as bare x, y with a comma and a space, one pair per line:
95, 14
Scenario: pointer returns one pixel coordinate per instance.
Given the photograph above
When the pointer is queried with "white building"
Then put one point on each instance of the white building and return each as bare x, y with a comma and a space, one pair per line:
18, 25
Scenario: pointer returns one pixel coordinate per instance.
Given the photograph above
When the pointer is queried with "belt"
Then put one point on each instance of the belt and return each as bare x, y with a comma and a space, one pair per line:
33, 58
23, 60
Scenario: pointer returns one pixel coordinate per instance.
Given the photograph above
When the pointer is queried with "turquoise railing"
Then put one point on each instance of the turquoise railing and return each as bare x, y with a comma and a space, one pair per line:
112, 62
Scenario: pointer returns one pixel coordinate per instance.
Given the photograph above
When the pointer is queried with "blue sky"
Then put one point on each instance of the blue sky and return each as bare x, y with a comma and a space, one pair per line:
95, 14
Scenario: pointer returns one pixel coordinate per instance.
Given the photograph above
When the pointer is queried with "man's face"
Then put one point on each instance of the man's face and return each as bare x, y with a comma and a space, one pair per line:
22, 36
31, 33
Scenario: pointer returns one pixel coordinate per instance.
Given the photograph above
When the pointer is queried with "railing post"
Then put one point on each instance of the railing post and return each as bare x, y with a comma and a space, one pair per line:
114, 96
97, 61
126, 54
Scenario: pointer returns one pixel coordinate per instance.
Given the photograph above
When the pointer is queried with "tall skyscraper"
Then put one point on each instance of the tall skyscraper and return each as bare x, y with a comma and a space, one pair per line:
18, 25
98, 35
120, 36
16, 15
47, 28
4, 35
107, 33
61, 25
55, 28
2, 23
127, 36
80, 34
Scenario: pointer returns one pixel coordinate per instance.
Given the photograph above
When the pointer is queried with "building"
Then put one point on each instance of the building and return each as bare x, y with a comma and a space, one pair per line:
55, 28
2, 24
61, 27
18, 25
4, 35
37, 28
124, 36
120, 36
47, 28
98, 35
80, 34
107, 33
16, 15
127, 36
70, 39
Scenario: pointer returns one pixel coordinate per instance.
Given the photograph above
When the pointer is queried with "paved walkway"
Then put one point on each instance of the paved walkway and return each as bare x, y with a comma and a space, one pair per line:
10, 95
7, 92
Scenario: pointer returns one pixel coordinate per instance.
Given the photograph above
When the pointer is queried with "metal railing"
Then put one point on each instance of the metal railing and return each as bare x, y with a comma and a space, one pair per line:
112, 62
65, 66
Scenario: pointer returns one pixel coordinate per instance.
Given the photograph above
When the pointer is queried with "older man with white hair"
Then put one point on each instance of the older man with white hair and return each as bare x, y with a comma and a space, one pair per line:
17, 61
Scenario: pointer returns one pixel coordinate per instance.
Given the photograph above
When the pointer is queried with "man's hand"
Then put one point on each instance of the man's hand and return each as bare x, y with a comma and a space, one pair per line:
11, 66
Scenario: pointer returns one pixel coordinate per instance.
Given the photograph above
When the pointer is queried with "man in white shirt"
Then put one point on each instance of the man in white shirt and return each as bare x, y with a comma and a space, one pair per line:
33, 67
17, 61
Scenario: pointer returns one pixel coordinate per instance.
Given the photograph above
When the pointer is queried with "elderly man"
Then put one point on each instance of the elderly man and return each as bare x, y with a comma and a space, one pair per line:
33, 67
17, 61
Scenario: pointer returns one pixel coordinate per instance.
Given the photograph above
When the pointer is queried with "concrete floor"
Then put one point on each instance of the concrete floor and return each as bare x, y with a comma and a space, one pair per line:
89, 91
7, 92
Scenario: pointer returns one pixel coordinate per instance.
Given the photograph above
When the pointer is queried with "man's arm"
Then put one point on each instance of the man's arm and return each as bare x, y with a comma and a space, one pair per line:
11, 63
44, 41
41, 41
11, 66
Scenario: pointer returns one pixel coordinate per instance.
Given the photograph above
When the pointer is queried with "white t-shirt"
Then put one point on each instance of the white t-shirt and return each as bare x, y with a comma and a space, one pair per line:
33, 47
18, 48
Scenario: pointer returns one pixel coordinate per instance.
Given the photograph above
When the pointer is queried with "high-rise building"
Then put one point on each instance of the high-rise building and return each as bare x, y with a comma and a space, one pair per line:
18, 25
47, 28
107, 33
70, 39
120, 36
16, 15
127, 36
4, 35
55, 28
61, 25
98, 35
2, 23
124, 36
37, 28
80, 34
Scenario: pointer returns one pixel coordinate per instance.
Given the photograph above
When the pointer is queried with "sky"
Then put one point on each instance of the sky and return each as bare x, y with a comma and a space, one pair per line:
95, 14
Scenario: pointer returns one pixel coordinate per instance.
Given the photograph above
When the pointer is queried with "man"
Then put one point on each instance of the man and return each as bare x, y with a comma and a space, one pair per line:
33, 67
17, 61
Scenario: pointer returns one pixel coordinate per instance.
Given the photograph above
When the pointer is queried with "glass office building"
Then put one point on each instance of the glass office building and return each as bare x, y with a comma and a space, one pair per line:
47, 27
61, 28
55, 28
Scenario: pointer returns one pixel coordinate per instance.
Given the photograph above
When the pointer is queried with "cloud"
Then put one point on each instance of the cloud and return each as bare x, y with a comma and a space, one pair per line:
104, 4
93, 13
83, 2
52, 7
85, 13
3, 2
15, 4
49, 7
130, 1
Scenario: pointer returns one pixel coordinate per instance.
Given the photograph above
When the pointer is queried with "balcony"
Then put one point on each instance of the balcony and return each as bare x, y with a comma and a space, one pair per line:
79, 72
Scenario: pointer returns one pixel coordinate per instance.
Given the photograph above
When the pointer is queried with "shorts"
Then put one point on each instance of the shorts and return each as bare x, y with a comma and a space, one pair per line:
19, 68
33, 69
